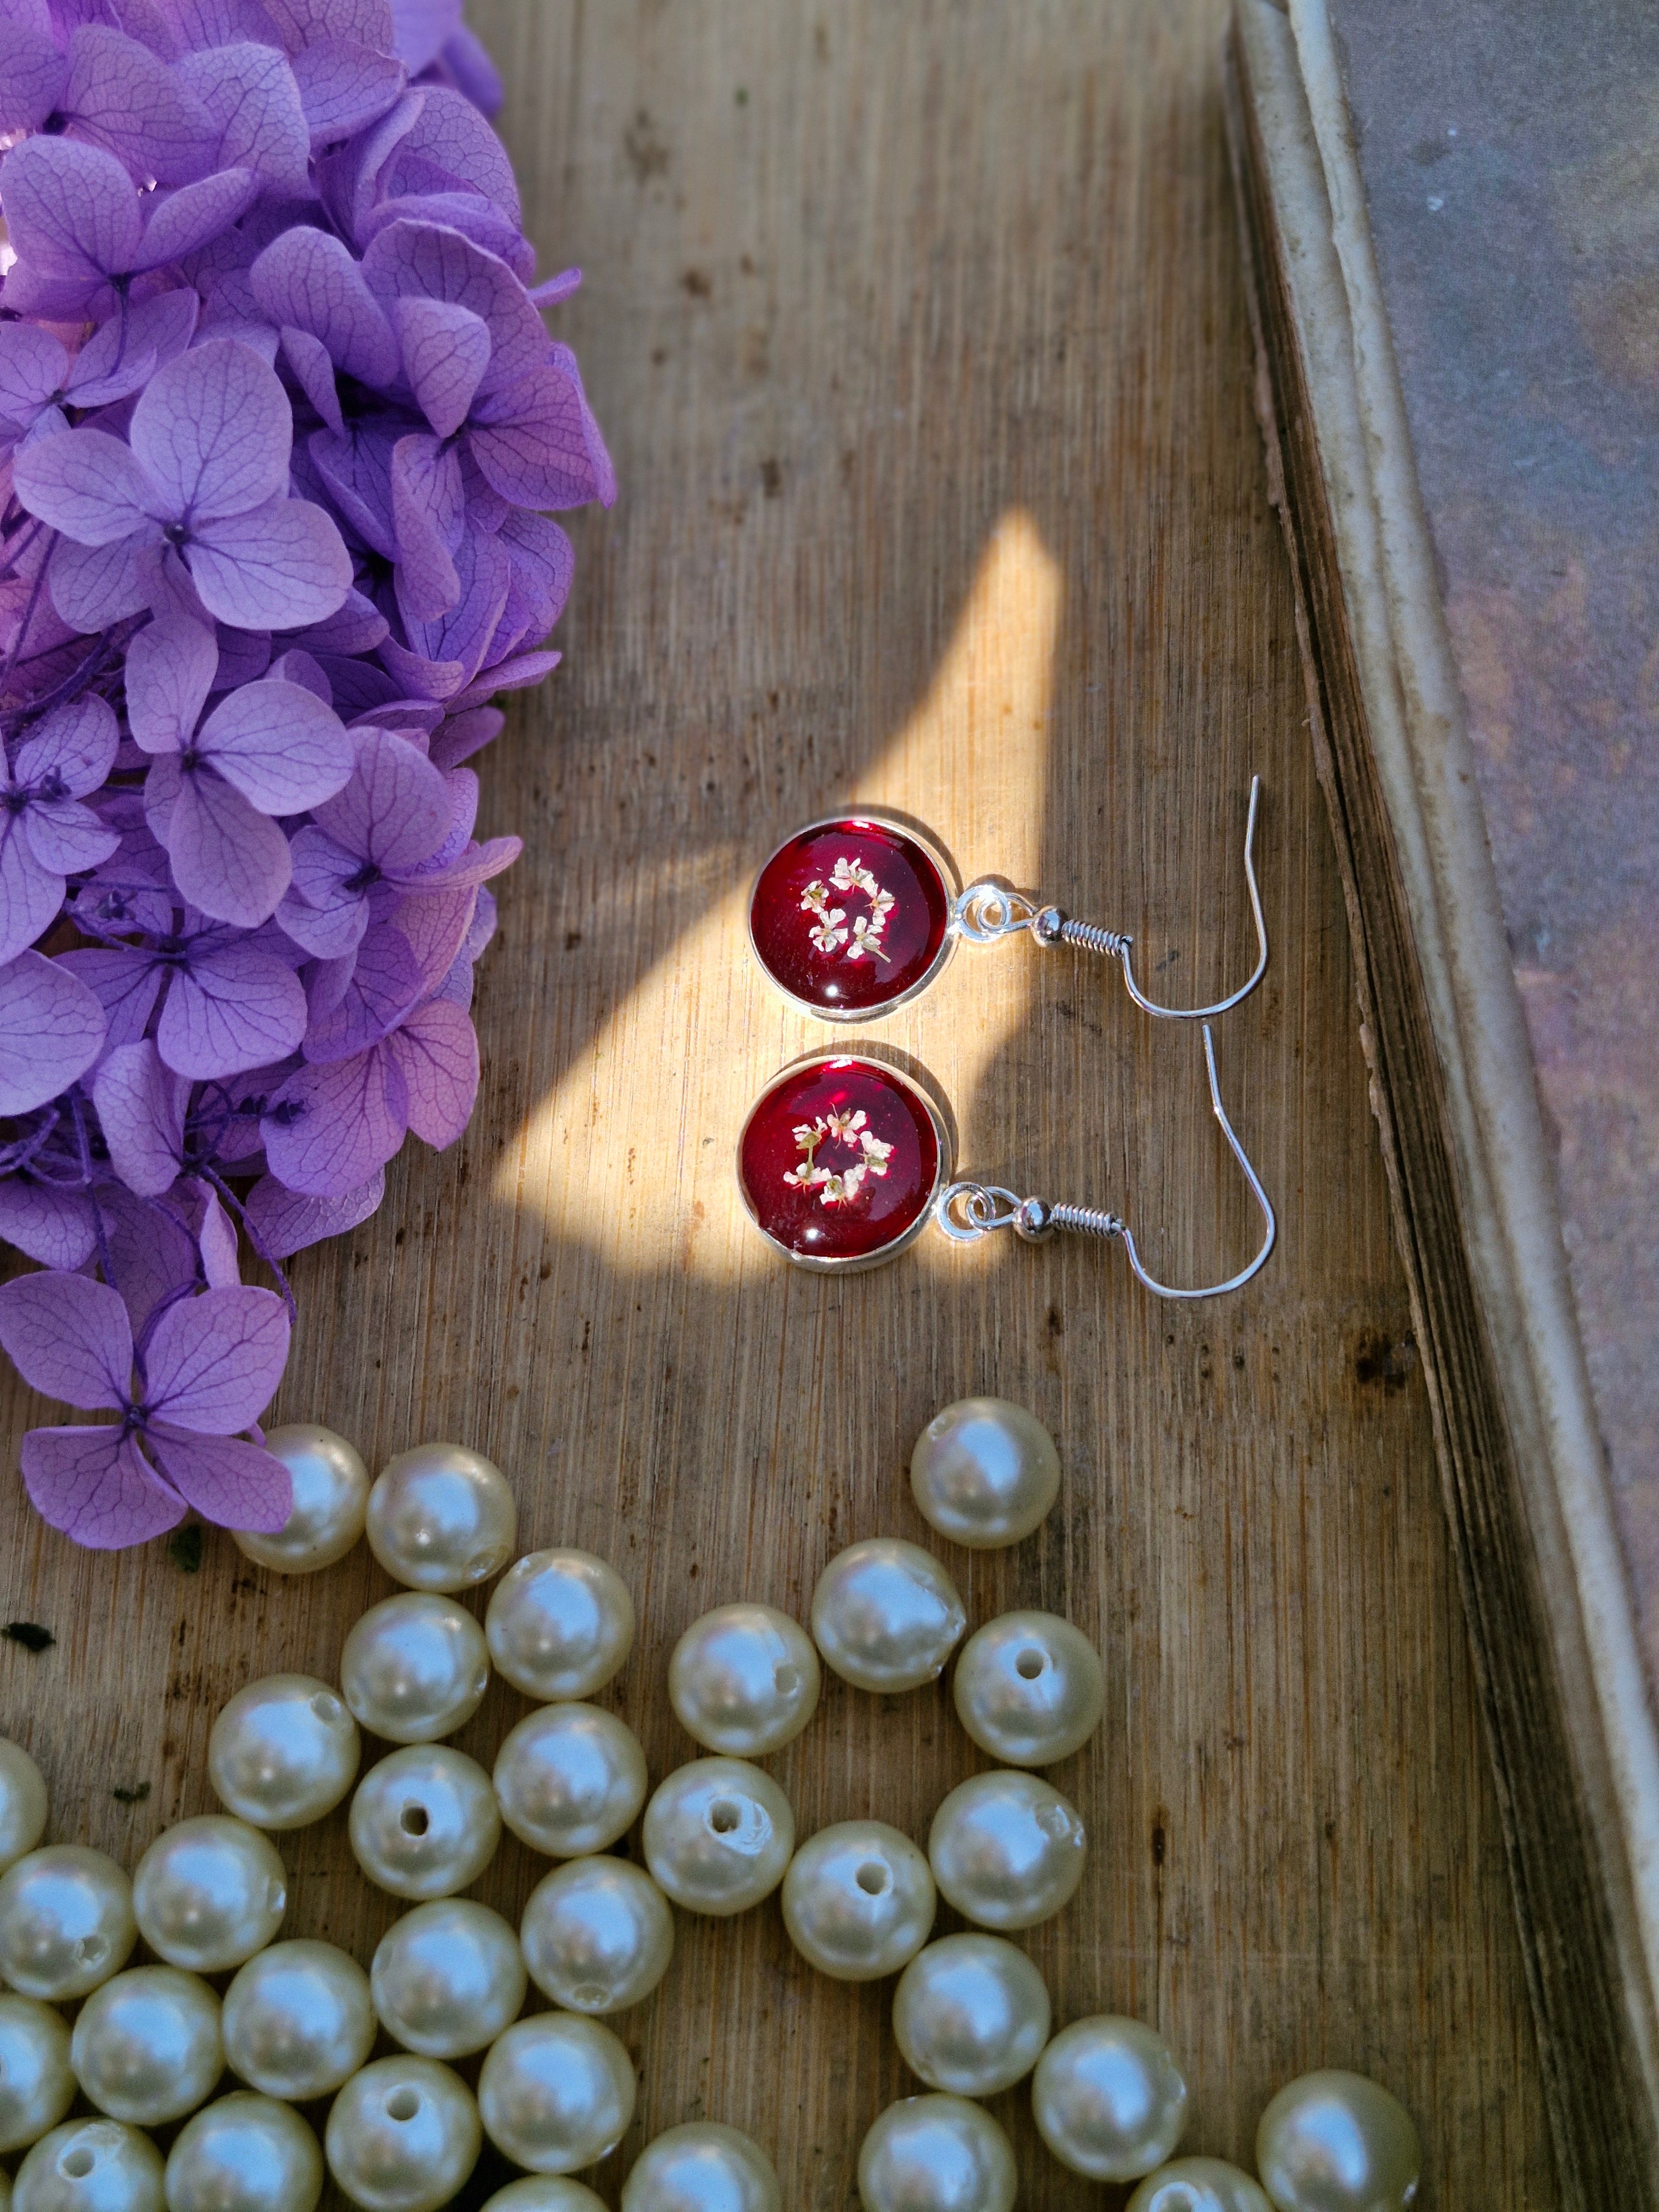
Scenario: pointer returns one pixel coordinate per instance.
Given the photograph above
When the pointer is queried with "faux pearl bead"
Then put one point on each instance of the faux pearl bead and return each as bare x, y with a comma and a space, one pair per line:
597, 1935
984, 1472
936, 2155
886, 1616
1338, 2143
556, 2093
298, 2020
719, 1834
858, 1901
560, 1625
414, 1667
36, 2086
66, 1922
569, 1779
424, 1822
209, 1893
90, 2166
702, 2167
283, 1752
442, 1519
1007, 1849
244, 2153
744, 1680
1029, 1688
543, 2193
447, 1978
330, 1496
970, 2015
22, 1803
146, 2046
402, 2136
1198, 2185
1109, 2098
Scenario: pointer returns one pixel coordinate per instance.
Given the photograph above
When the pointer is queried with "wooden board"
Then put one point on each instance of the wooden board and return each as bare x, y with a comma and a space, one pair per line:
920, 339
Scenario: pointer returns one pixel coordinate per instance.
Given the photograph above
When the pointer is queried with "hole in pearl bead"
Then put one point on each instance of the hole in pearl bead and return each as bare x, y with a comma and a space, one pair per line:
590, 1994
872, 1877
403, 2104
414, 1819
724, 1816
90, 1950
786, 1680
1029, 1664
76, 2165
327, 1709
481, 1564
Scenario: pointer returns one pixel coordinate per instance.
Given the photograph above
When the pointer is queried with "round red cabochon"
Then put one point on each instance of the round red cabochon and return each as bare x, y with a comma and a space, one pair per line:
840, 1160
849, 915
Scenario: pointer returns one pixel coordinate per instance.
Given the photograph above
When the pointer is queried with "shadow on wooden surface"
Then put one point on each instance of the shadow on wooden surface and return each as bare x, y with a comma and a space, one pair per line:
921, 340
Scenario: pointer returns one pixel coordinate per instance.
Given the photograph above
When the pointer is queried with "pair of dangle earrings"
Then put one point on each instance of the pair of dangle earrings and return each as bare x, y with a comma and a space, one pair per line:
844, 1158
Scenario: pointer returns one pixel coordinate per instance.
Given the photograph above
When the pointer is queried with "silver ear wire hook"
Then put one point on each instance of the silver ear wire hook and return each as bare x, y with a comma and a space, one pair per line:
967, 1211
987, 911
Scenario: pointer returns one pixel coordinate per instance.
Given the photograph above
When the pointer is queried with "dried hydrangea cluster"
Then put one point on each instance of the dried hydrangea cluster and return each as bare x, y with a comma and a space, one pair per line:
280, 423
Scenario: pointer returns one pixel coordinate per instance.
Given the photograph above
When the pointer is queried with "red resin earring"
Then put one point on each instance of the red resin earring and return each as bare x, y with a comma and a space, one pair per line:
843, 1161
855, 914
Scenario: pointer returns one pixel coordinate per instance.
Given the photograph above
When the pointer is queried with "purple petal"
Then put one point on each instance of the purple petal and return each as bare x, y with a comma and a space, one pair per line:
421, 29
213, 431
437, 1051
199, 23
515, 675
122, 97
30, 895
309, 358
213, 1362
437, 681
463, 735
357, 469
330, 1127
436, 927
461, 634
171, 667
184, 222
305, 670
282, 748
278, 568
282, 1223
33, 368
537, 442
455, 139
430, 510
357, 628
32, 76
76, 743
244, 657
66, 837
302, 22
487, 225
124, 984
141, 1110
55, 1227
215, 1238
95, 1486
319, 912
70, 208
95, 586
543, 565
68, 1337
446, 351
385, 982
87, 484
251, 95
558, 290
308, 279
51, 1030
227, 859
235, 1009
424, 261
233, 1484
469, 63
343, 88
395, 812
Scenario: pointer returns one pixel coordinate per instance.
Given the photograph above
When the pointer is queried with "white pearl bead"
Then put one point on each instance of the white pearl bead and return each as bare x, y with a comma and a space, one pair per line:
858, 1901
22, 1803
283, 1752
414, 1667
569, 1779
936, 2155
1007, 1849
36, 2086
402, 2136
209, 1893
146, 2046
1029, 1688
442, 1519
744, 1680
970, 2015
719, 1834
331, 1497
702, 2167
424, 1822
560, 1625
1338, 2143
66, 1922
447, 1978
556, 2093
298, 2020
984, 1472
597, 1935
90, 2166
244, 2153
1108, 2098
543, 2193
886, 1616
1198, 2185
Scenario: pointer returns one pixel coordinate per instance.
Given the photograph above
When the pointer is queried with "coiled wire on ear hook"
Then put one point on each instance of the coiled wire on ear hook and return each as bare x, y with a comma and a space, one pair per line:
967, 1211
987, 910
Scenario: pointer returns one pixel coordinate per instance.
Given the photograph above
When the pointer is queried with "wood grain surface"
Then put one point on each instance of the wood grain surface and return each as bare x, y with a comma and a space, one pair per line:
920, 337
